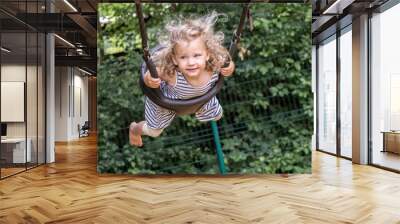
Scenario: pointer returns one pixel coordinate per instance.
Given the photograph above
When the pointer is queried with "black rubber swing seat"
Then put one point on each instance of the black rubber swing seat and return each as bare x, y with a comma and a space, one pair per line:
180, 106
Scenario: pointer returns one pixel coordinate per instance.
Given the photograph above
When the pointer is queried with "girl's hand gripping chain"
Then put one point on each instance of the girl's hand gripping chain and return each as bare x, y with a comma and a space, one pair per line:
228, 71
150, 81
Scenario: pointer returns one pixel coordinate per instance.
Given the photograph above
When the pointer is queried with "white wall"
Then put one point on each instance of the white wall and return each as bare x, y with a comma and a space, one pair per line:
12, 73
71, 102
80, 109
33, 126
12, 100
61, 103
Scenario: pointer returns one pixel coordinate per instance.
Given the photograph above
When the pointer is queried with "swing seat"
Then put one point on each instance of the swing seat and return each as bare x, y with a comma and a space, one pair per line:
180, 106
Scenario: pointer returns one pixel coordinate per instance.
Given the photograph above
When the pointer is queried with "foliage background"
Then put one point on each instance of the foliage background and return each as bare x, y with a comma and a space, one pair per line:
268, 108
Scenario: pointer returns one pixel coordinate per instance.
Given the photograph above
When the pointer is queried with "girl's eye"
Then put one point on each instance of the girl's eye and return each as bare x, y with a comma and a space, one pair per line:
183, 57
197, 55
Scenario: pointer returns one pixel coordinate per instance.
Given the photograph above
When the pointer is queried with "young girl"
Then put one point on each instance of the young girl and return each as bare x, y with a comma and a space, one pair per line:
188, 66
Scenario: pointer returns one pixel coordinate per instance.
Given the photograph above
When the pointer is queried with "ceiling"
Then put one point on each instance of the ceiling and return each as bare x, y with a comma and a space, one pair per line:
74, 22
332, 15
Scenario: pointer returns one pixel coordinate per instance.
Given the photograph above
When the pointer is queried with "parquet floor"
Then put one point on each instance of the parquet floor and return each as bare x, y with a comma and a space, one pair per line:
9, 171
70, 191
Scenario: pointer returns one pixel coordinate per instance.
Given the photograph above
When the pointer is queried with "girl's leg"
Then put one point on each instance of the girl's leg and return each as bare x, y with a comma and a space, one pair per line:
211, 111
135, 133
156, 119
146, 130
218, 117
136, 130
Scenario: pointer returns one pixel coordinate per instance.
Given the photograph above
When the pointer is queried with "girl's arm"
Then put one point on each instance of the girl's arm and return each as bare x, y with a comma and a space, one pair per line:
228, 71
155, 82
150, 81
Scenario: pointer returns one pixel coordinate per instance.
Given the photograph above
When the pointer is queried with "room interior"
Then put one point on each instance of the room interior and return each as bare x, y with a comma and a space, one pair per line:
48, 171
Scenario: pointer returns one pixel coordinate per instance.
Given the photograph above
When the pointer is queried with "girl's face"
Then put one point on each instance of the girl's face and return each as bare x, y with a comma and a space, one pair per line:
191, 57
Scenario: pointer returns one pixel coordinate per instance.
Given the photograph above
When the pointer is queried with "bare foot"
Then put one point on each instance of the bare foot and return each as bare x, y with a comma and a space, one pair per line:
135, 133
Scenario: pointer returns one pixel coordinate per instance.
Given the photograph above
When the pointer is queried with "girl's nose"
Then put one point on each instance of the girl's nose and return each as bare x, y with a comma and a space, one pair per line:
191, 61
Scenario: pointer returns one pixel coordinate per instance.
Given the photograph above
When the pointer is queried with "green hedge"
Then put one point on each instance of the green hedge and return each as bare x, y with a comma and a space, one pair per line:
268, 108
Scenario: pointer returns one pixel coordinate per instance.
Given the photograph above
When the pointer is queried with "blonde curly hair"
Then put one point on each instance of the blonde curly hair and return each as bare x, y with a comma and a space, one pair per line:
189, 29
